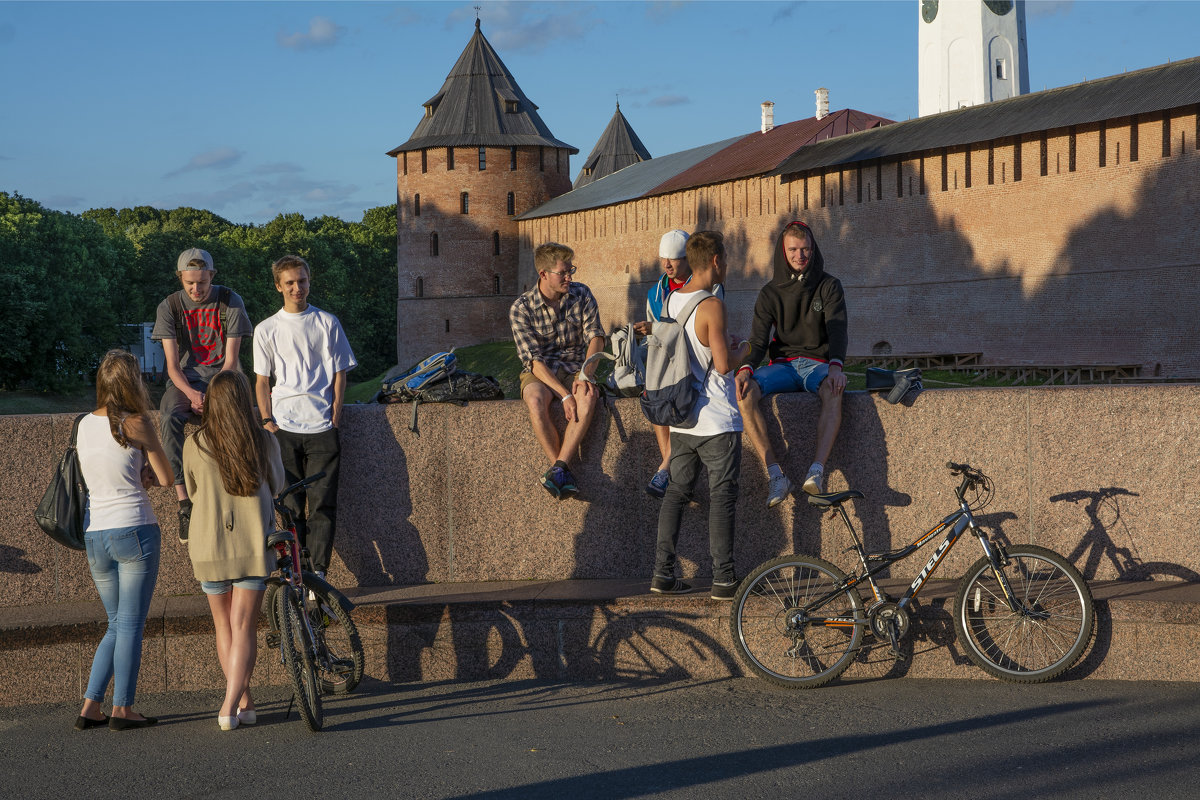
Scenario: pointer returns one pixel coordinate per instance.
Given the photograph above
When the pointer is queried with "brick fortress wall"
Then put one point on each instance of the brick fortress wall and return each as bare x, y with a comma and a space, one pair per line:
461, 295
1068, 246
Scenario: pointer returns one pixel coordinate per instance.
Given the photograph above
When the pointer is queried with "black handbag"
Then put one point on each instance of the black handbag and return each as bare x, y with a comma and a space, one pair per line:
60, 514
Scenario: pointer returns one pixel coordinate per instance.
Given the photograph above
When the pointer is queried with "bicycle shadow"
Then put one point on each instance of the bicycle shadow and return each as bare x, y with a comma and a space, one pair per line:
1098, 552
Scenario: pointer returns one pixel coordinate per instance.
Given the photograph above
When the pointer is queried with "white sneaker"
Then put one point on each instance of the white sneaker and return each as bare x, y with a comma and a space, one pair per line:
814, 481
779, 488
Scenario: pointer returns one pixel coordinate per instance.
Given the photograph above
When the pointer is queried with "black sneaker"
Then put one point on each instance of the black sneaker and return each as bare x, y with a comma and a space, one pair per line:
552, 480
660, 585
724, 591
185, 520
567, 484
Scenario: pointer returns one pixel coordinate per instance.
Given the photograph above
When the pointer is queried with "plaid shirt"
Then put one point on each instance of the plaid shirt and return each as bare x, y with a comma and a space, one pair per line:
556, 338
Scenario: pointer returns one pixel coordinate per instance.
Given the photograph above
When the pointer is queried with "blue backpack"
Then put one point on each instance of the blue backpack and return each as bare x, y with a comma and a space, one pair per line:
434, 368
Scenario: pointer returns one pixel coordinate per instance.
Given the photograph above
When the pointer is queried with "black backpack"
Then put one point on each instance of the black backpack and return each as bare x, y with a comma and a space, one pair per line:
458, 388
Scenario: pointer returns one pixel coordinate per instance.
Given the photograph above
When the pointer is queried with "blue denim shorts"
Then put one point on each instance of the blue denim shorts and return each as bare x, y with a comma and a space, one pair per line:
224, 587
797, 375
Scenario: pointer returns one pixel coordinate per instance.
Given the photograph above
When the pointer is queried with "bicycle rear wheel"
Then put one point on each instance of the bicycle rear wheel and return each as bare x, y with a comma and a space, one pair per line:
297, 650
771, 633
340, 659
1045, 637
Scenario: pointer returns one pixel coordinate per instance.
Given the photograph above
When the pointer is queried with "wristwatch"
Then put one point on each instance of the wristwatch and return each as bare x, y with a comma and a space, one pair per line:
266, 420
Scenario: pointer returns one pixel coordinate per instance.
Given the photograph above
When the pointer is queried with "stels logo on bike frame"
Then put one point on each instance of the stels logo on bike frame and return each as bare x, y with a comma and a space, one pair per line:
946, 544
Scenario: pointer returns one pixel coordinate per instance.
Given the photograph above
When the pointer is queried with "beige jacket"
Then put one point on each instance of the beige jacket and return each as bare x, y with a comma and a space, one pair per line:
227, 538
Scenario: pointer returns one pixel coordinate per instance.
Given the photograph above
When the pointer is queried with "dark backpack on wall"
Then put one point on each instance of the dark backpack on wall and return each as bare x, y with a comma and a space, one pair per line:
438, 380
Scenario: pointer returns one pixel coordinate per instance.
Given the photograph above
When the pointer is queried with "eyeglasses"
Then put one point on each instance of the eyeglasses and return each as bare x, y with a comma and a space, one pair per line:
565, 273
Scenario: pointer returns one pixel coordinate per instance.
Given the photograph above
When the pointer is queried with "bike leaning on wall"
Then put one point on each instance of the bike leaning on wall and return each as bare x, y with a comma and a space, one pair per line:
1022, 613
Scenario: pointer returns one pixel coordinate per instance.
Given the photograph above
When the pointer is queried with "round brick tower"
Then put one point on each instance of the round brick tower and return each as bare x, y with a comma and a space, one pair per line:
480, 156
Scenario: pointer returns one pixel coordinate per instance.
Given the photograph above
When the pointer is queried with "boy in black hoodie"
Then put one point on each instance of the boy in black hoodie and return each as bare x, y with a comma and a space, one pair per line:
807, 310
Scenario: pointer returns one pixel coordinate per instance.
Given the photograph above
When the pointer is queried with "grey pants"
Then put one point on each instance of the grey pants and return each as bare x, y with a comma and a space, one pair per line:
722, 456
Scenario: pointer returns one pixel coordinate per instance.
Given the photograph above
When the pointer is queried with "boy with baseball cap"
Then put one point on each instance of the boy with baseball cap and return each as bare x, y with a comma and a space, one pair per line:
201, 328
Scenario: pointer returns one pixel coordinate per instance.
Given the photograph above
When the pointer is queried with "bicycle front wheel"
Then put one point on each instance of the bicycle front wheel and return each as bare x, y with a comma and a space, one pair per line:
296, 644
339, 657
773, 628
1045, 636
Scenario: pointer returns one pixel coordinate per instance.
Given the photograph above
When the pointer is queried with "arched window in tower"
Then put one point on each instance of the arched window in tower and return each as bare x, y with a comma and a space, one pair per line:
417, 205
419, 291
424, 160
482, 159
449, 158
512, 158
557, 160
496, 284
404, 161
512, 204
433, 244
465, 202
495, 243
542, 158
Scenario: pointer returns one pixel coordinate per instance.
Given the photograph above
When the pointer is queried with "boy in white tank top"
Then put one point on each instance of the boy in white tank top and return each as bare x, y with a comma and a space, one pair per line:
716, 439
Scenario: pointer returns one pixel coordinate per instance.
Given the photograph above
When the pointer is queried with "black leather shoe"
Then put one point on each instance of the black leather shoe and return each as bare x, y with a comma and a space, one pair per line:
122, 724
83, 723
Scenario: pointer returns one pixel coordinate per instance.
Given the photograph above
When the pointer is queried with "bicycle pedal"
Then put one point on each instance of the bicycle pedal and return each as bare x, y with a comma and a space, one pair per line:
899, 656
272, 639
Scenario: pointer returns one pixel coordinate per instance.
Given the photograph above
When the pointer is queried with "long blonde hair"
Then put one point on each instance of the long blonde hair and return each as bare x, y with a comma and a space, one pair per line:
232, 436
120, 391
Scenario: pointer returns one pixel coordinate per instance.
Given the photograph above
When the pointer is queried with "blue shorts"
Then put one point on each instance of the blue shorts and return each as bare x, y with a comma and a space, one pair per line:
797, 375
224, 587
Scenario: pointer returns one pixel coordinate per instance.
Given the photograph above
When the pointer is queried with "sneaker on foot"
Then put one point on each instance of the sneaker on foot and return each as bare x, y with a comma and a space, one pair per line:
658, 484
552, 480
185, 520
779, 488
722, 590
566, 484
661, 585
814, 481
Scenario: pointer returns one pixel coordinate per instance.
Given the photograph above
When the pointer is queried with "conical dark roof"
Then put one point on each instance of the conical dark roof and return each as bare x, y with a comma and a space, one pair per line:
480, 104
618, 147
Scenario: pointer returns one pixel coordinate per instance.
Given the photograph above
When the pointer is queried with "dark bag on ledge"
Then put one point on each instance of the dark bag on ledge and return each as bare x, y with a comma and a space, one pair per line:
896, 383
60, 514
458, 387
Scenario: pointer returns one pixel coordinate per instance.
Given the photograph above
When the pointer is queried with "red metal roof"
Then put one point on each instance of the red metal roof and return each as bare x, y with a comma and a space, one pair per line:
760, 153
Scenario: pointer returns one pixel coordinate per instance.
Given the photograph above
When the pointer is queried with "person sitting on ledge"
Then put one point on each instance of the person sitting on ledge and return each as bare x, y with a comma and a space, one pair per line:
556, 326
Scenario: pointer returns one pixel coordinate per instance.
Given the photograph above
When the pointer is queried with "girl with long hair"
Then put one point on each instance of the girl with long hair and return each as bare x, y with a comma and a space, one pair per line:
232, 471
120, 456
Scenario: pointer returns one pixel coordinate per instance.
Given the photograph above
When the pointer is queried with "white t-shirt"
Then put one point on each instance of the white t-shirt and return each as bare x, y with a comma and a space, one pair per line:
717, 408
113, 475
304, 352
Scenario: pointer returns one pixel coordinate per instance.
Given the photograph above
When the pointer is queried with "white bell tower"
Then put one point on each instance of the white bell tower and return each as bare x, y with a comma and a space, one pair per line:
971, 52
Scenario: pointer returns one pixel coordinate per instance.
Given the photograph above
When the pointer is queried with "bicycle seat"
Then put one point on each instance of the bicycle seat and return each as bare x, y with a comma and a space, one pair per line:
278, 537
834, 498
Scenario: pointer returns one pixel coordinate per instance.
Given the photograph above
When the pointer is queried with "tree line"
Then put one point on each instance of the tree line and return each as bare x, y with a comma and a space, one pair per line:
68, 282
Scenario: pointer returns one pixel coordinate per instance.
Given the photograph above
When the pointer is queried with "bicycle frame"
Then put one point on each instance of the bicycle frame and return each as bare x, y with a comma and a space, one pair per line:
957, 522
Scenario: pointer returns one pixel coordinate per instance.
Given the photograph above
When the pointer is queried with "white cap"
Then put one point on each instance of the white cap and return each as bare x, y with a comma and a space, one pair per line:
673, 244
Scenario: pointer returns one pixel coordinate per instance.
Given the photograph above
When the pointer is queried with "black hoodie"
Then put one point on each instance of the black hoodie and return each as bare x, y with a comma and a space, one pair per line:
808, 313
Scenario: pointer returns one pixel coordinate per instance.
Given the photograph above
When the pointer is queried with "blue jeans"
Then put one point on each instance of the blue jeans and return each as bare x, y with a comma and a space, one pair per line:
124, 564
798, 375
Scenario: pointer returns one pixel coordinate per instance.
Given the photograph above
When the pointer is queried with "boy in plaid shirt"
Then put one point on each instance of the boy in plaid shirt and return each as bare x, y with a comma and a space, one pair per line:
556, 326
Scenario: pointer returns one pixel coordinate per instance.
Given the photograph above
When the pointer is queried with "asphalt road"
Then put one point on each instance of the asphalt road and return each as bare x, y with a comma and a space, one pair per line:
724, 739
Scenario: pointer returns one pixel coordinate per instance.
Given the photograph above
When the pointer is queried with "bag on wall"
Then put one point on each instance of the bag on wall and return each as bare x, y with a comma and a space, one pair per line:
60, 514
628, 355
897, 383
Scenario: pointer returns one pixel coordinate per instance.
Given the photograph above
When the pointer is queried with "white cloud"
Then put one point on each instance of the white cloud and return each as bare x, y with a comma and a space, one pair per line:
219, 158
665, 100
517, 26
322, 32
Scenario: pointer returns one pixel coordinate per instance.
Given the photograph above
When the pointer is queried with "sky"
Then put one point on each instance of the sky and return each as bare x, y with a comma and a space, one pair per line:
250, 110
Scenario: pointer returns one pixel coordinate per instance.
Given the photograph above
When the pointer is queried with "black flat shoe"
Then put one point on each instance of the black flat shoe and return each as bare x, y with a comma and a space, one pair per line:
122, 724
83, 723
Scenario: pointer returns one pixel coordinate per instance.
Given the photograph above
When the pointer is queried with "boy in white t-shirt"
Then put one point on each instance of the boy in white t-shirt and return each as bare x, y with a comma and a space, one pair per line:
306, 350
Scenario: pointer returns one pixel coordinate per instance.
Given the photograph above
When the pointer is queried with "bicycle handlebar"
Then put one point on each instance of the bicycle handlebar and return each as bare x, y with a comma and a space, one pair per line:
295, 487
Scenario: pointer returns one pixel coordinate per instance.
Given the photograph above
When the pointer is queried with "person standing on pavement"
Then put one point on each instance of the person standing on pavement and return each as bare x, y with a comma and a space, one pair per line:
307, 352
120, 456
233, 471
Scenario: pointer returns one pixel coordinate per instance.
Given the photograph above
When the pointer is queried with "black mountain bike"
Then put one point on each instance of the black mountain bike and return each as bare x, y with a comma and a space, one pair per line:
1022, 613
309, 621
